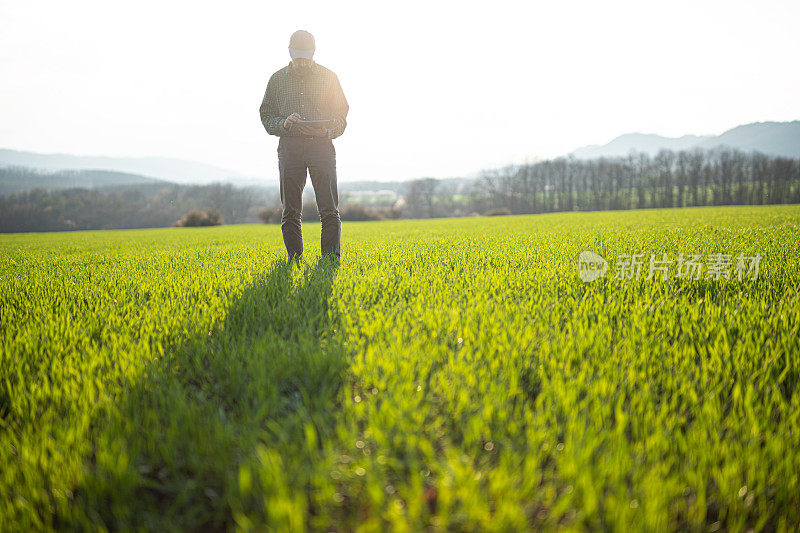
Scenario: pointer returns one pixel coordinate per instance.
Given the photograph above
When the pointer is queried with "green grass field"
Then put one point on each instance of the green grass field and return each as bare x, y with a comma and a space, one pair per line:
451, 374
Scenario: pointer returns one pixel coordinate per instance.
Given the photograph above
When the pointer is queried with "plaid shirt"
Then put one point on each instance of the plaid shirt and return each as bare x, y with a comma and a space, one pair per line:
314, 96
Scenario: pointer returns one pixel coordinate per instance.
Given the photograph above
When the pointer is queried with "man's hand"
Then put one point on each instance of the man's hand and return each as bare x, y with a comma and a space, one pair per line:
291, 119
306, 129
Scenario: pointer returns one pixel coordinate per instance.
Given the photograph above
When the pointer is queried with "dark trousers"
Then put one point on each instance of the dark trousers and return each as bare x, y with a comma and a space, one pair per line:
318, 156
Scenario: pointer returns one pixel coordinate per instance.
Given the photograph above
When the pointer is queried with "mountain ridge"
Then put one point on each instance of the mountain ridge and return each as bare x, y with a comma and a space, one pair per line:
163, 168
20, 179
770, 137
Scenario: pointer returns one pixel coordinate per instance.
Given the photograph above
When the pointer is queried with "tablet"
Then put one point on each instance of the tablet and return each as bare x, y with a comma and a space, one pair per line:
316, 123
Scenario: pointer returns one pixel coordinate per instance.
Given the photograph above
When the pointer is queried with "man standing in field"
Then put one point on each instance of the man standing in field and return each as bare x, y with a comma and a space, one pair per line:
299, 92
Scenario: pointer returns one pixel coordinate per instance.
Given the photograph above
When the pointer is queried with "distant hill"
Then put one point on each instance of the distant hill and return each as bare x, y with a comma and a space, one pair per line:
166, 168
639, 142
19, 179
773, 138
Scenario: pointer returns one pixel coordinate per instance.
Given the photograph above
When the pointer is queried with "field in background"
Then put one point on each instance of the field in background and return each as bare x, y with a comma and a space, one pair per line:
451, 373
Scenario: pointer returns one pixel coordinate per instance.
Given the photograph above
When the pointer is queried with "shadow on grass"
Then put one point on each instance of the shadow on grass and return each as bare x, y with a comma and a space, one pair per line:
261, 388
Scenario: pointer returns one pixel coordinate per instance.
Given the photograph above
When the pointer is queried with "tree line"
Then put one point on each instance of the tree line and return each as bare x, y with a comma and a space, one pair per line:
668, 179
122, 207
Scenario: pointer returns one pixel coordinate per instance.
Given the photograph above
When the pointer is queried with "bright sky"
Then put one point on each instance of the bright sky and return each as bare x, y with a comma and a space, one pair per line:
435, 89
